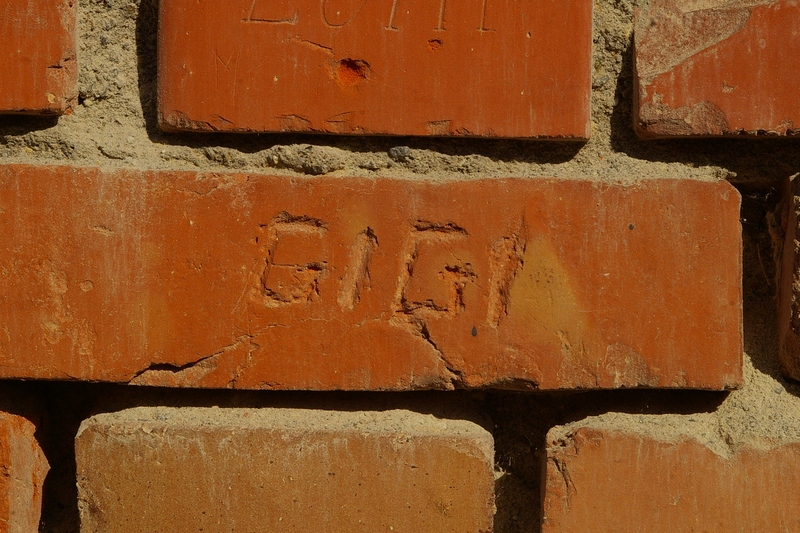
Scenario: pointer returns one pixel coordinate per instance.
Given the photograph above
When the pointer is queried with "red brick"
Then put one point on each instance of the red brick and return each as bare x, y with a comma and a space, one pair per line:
23, 468
281, 470
789, 288
508, 68
600, 481
257, 282
718, 68
37, 51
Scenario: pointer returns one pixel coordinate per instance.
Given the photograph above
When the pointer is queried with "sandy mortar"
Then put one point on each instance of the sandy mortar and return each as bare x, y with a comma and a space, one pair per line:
114, 126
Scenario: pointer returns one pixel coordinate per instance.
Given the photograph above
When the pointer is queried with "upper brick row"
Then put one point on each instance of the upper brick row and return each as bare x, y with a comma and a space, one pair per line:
505, 68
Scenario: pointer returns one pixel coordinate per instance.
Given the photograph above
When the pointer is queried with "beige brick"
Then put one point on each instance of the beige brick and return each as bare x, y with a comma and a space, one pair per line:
23, 468
282, 470
602, 481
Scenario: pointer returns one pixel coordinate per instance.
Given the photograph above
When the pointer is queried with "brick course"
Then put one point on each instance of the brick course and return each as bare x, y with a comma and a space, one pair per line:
191, 280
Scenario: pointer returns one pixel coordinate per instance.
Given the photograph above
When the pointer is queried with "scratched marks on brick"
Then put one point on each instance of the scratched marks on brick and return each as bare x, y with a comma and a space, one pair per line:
336, 14
505, 260
58, 322
396, 67
356, 278
292, 267
432, 280
702, 67
369, 284
668, 33
441, 295
272, 12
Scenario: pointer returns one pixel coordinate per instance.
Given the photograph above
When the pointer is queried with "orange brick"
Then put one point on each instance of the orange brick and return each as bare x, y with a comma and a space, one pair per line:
37, 53
508, 68
23, 468
281, 470
600, 481
718, 69
256, 282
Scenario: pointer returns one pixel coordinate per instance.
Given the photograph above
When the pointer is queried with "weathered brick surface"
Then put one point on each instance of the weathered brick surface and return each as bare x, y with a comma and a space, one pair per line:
23, 468
600, 481
192, 280
37, 53
508, 68
219, 470
718, 68
789, 283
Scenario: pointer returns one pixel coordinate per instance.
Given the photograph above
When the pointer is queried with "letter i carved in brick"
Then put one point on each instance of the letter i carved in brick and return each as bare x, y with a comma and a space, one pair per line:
356, 276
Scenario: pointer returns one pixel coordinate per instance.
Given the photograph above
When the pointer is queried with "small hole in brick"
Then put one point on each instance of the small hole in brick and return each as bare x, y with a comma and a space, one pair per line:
434, 44
474, 331
631, 226
352, 71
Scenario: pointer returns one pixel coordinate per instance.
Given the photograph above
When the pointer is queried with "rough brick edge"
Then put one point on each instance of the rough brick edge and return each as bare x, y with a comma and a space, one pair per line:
787, 245
23, 468
671, 123
68, 66
672, 468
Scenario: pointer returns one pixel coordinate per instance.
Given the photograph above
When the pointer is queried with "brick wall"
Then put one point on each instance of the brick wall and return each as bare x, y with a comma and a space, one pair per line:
399, 265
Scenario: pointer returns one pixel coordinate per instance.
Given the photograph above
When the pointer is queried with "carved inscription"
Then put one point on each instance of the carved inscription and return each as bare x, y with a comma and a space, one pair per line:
392, 16
226, 67
291, 270
333, 15
337, 19
265, 11
356, 277
482, 27
505, 260
454, 276
431, 283
442, 8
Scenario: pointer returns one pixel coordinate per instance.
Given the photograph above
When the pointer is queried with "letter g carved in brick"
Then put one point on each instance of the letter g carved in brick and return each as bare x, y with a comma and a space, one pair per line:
292, 267
433, 278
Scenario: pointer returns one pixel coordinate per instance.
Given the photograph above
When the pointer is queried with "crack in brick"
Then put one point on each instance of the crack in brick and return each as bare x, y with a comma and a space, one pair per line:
189, 374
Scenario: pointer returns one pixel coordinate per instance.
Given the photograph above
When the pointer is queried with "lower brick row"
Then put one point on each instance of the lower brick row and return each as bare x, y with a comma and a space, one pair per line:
214, 470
